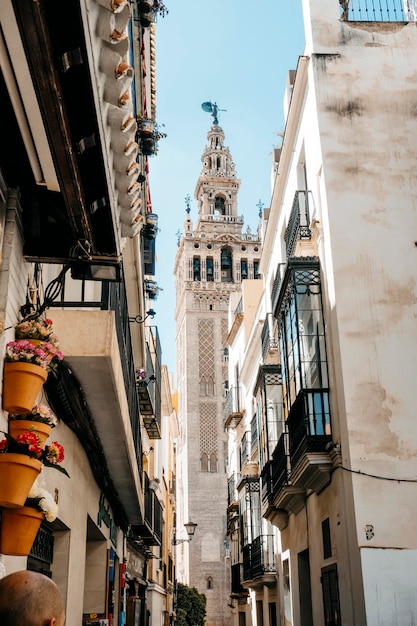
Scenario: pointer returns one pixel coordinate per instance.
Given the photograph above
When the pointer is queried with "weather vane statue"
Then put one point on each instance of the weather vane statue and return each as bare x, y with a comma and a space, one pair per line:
211, 107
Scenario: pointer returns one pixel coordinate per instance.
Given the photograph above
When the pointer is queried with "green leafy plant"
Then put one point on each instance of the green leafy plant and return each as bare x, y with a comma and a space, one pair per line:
191, 606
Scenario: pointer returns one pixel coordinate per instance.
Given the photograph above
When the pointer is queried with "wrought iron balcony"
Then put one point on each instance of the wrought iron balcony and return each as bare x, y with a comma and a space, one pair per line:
276, 287
269, 341
232, 495
376, 11
149, 392
95, 338
248, 465
233, 410
299, 222
259, 564
150, 530
237, 589
302, 459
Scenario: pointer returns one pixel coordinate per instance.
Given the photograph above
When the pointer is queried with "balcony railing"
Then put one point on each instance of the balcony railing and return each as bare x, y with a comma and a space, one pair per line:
232, 483
269, 341
237, 589
150, 396
299, 221
113, 298
230, 219
309, 424
233, 410
259, 558
301, 460
378, 11
151, 529
280, 464
245, 449
266, 487
276, 287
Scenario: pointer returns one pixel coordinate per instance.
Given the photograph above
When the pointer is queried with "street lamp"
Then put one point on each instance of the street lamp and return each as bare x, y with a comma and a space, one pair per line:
190, 528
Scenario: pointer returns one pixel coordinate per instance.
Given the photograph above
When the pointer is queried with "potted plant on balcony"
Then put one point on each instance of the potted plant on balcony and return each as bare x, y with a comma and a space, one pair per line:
19, 526
21, 461
146, 126
140, 376
151, 288
150, 228
149, 135
40, 420
149, 9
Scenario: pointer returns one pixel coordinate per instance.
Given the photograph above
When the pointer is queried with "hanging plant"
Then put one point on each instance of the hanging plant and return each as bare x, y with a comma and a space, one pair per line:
38, 328
19, 526
41, 500
28, 444
40, 413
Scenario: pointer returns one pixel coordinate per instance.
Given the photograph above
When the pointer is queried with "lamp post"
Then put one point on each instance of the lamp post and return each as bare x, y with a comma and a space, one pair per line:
190, 528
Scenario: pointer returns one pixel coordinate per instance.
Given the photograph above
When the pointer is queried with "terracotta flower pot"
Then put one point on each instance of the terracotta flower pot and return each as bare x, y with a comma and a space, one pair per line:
17, 427
22, 383
18, 472
18, 530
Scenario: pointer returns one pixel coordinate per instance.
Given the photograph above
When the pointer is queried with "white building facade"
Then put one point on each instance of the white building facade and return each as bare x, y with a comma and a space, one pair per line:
337, 452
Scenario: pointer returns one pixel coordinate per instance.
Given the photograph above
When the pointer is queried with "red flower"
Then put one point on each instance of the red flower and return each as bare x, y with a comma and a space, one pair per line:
54, 453
48, 322
32, 442
3, 445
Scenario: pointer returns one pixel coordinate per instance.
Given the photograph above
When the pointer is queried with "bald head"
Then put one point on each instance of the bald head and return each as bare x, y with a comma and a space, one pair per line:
31, 599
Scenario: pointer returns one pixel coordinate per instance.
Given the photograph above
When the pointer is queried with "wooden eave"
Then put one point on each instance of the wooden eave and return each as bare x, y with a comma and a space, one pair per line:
34, 32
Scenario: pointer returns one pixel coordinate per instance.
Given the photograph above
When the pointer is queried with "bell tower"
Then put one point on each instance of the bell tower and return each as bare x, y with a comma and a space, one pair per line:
212, 260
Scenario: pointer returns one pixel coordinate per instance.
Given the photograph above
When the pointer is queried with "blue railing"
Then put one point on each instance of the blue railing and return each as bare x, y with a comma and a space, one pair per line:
378, 10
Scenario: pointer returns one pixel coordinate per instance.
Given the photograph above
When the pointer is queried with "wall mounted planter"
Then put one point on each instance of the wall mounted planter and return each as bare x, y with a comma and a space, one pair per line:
150, 228
22, 383
146, 127
18, 531
18, 472
146, 19
17, 427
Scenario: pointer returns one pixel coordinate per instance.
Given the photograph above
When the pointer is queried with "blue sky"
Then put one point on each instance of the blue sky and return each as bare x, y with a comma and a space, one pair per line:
236, 53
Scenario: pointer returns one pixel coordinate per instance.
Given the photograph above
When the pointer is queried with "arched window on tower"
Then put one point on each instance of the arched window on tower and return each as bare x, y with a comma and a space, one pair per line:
210, 269
210, 386
213, 462
243, 268
226, 266
218, 163
196, 268
204, 462
256, 269
220, 205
